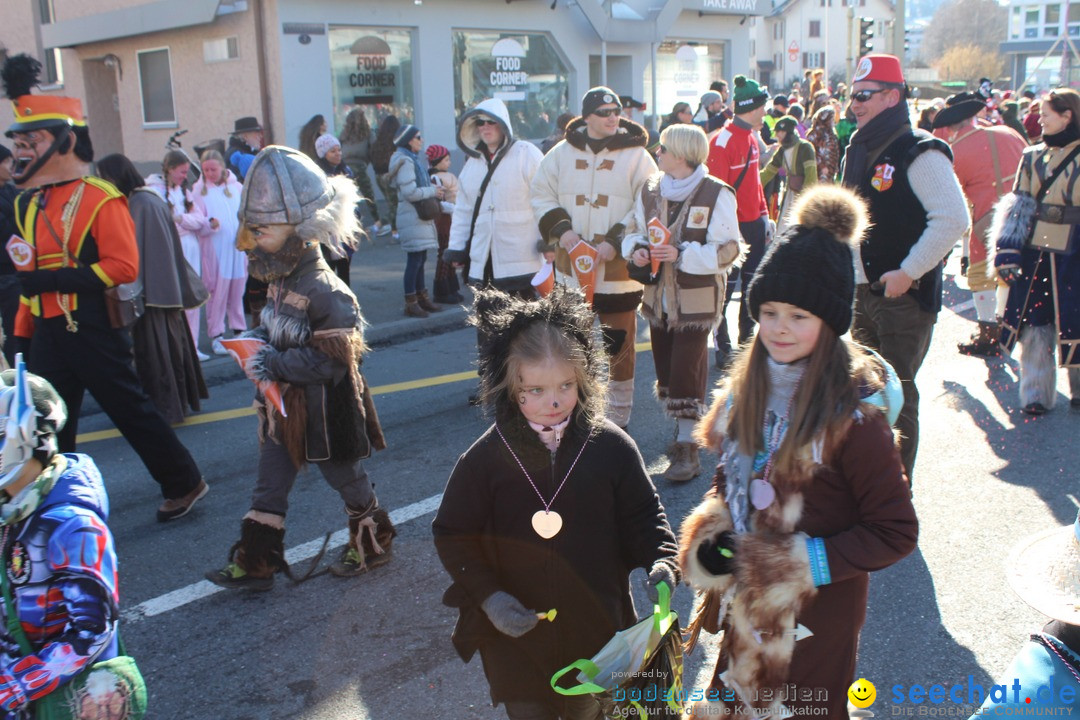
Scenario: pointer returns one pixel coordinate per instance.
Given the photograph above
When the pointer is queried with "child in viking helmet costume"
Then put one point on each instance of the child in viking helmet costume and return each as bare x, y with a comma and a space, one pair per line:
810, 495
312, 328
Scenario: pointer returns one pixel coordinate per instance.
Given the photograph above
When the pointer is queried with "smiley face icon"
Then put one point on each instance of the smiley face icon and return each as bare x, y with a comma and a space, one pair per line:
862, 693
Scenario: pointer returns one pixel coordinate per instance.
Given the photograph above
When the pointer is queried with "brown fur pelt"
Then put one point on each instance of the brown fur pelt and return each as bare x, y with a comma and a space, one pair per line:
705, 522
260, 550
346, 347
291, 430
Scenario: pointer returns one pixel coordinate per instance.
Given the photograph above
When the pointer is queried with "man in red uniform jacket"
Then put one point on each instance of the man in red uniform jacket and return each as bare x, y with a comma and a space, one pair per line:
734, 158
78, 240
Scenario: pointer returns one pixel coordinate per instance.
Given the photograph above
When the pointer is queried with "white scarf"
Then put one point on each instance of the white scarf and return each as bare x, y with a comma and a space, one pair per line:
674, 190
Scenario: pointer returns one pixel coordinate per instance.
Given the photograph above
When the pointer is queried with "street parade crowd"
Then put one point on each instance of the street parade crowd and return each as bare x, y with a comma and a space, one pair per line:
831, 210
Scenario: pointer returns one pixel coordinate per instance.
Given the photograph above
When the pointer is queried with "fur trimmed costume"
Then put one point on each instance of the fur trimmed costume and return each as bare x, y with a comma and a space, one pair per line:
312, 328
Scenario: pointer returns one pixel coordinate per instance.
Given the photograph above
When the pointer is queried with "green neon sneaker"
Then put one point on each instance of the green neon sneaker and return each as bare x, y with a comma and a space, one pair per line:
234, 577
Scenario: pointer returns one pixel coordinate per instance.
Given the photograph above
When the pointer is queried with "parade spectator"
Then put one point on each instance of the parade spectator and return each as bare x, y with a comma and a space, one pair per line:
63, 317
381, 150
710, 116
734, 158
779, 109
1010, 116
809, 497
246, 140
845, 126
826, 145
796, 111
680, 113
328, 158
560, 132
446, 283
314, 338
917, 213
841, 93
191, 222
9, 284
817, 83
1043, 308
798, 161
682, 302
584, 191
165, 358
224, 268
983, 183
412, 183
818, 101
493, 235
311, 131
1044, 570
1031, 122
357, 140
61, 608
541, 377
926, 117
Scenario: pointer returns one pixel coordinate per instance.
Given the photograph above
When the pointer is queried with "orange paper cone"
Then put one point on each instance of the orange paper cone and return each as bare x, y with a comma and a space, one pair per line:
242, 350
583, 258
658, 235
544, 280
21, 253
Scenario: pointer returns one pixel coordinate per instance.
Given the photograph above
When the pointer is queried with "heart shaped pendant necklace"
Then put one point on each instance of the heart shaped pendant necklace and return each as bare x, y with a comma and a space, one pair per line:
546, 523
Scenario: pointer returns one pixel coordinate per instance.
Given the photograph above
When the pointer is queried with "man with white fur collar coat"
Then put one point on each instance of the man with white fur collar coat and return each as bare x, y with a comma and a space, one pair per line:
584, 191
493, 234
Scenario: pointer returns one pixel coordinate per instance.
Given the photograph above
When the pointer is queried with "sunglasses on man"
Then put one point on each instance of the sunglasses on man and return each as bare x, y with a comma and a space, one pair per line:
607, 112
864, 95
481, 122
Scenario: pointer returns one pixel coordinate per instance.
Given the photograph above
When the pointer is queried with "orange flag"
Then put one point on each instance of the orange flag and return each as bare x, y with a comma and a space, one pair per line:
242, 350
658, 235
583, 257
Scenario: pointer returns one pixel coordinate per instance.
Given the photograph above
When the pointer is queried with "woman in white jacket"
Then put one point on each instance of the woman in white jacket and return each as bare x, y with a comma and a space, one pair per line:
493, 233
684, 297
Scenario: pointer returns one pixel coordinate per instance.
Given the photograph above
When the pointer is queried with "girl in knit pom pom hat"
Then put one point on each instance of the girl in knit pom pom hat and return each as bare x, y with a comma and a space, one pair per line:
446, 283
550, 509
810, 495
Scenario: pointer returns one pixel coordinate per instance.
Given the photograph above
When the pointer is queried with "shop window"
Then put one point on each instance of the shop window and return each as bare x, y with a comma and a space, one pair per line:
524, 70
155, 85
371, 68
684, 70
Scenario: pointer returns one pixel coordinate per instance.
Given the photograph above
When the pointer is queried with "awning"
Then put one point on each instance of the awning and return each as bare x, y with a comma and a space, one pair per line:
137, 20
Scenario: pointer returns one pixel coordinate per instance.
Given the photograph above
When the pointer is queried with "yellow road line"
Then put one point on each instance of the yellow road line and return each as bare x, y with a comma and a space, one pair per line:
244, 412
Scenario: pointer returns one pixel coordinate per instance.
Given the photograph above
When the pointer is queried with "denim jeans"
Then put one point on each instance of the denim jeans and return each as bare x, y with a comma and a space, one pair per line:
414, 272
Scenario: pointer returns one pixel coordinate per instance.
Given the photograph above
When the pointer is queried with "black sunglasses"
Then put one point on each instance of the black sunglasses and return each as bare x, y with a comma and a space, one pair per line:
608, 112
864, 95
661, 149
481, 122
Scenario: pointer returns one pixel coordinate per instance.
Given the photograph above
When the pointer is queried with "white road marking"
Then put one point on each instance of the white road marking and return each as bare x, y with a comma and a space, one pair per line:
205, 588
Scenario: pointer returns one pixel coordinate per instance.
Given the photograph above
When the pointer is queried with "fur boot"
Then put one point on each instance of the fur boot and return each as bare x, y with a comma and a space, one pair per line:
371, 535
1038, 370
261, 549
983, 342
412, 307
620, 401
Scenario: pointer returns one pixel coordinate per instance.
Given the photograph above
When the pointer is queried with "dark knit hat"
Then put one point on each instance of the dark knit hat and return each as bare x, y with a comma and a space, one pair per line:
405, 135
781, 99
748, 95
786, 123
596, 98
811, 264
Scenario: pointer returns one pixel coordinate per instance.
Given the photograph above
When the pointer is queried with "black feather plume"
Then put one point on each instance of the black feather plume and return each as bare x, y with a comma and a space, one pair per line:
19, 74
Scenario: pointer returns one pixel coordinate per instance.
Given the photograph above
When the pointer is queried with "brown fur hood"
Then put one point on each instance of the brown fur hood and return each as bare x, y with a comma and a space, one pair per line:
629, 135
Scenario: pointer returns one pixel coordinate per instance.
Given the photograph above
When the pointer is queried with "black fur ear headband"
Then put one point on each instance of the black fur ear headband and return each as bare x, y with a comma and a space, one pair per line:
500, 318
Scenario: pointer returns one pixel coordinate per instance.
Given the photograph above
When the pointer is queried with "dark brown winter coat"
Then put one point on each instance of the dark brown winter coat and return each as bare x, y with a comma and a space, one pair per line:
613, 522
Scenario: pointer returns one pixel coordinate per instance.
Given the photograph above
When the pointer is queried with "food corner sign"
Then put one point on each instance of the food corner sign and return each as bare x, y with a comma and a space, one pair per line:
508, 80
373, 76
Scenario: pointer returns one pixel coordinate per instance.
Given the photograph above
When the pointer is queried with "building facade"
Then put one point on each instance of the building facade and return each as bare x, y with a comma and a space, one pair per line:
148, 68
1044, 36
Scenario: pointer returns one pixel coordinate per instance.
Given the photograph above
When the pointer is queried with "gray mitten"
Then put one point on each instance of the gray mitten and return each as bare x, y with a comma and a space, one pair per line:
508, 615
661, 572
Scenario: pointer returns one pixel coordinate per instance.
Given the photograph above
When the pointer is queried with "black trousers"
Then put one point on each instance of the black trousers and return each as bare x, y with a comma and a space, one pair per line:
100, 359
754, 234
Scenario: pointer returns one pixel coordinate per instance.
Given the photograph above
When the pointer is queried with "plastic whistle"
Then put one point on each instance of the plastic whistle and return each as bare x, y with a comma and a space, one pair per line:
549, 615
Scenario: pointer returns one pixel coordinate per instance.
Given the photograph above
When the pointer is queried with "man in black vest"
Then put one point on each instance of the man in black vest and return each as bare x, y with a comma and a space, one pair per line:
917, 214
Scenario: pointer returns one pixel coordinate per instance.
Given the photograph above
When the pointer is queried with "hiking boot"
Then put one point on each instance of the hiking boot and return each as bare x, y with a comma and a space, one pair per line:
412, 308
1035, 408
983, 342
685, 463
424, 302
233, 577
371, 535
178, 507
